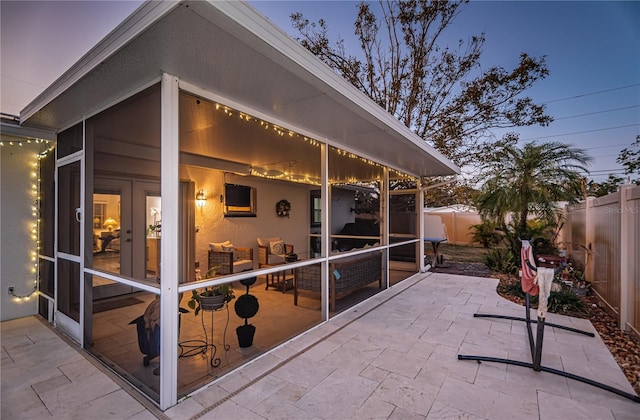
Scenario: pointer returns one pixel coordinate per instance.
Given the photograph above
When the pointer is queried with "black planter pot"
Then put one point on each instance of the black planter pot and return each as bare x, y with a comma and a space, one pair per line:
245, 335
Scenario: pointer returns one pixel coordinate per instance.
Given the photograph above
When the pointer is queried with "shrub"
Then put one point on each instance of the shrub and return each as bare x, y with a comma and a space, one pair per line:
501, 260
486, 234
565, 301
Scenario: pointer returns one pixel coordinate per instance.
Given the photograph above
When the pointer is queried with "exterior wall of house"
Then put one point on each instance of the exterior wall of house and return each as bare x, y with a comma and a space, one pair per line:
212, 226
17, 246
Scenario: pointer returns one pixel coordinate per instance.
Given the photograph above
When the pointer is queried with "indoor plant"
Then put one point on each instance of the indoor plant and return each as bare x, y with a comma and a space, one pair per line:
211, 298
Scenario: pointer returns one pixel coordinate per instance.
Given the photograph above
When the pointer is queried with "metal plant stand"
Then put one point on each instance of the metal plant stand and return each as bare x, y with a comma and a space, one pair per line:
190, 348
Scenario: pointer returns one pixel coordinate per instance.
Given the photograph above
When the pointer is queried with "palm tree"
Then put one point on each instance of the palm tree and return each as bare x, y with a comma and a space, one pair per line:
531, 179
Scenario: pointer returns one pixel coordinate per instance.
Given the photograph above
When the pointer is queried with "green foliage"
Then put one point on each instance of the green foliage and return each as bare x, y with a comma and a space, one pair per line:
610, 185
530, 180
223, 290
501, 260
565, 301
629, 157
485, 233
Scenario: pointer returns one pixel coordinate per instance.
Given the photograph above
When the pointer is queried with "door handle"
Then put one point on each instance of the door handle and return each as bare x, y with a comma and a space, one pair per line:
128, 230
128, 240
78, 215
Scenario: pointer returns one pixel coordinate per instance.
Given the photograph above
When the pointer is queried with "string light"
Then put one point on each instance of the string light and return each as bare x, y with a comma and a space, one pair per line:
286, 133
45, 147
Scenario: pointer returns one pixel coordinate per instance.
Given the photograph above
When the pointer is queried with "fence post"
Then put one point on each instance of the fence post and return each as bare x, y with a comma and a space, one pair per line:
588, 238
626, 259
567, 237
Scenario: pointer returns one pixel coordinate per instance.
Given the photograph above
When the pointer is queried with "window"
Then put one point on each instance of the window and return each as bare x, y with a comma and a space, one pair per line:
99, 212
316, 208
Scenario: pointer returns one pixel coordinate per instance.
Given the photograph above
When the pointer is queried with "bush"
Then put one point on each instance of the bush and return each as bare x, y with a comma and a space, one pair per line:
486, 234
501, 260
565, 301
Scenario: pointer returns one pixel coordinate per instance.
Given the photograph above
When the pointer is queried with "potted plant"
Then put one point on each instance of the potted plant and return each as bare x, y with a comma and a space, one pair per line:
213, 297
246, 307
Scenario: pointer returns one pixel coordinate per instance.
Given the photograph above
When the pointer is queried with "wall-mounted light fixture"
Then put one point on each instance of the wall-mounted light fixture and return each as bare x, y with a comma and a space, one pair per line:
201, 198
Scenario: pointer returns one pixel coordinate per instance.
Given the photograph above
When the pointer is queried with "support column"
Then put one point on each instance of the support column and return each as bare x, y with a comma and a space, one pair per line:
169, 265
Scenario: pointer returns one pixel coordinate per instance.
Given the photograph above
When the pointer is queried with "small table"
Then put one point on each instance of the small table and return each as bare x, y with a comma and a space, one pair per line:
435, 243
279, 280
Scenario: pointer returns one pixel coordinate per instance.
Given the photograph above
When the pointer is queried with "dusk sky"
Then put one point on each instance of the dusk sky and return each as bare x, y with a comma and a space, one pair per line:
592, 50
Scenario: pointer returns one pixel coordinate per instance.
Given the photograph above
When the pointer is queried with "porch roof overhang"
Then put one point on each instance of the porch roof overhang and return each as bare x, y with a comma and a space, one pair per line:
232, 51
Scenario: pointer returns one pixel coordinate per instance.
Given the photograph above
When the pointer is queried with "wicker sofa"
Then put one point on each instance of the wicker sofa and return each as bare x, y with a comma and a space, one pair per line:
345, 276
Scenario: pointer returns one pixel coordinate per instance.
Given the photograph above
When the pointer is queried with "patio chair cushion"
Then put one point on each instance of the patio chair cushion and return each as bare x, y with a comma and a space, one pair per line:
267, 241
218, 246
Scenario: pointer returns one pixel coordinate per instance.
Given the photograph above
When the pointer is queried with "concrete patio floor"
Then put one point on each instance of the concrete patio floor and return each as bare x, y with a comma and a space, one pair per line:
392, 357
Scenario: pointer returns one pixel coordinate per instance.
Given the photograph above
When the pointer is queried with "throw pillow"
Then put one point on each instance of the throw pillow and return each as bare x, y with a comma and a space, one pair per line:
217, 246
277, 247
267, 241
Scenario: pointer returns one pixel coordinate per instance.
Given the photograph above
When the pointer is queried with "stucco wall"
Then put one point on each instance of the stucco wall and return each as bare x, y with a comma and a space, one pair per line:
212, 226
16, 223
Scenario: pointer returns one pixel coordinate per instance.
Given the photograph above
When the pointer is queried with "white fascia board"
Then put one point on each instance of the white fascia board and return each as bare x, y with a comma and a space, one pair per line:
252, 21
27, 132
143, 17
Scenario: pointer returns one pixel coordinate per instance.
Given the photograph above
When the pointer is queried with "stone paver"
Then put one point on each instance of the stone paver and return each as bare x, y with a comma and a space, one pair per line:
393, 357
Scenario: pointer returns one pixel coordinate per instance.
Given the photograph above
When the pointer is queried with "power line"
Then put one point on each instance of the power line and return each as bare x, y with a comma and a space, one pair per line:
608, 145
592, 93
596, 112
581, 132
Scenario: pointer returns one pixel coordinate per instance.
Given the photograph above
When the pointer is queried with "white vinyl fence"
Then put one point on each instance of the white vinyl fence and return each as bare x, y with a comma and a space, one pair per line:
603, 239
458, 225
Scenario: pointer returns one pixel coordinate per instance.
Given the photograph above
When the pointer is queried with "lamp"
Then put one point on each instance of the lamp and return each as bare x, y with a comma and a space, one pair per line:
201, 198
110, 223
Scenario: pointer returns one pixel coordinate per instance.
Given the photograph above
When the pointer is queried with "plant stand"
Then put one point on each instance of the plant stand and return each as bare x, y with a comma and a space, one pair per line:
190, 348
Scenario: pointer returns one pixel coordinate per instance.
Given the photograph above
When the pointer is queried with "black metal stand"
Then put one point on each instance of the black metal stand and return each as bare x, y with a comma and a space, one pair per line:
190, 348
536, 351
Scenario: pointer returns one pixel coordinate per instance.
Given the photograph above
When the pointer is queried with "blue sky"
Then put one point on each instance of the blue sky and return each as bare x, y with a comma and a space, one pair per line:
592, 49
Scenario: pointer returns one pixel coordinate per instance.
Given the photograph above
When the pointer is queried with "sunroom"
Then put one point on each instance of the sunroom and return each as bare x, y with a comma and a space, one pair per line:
199, 146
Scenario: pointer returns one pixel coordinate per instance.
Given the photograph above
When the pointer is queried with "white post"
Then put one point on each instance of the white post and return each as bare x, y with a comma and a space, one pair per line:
325, 230
588, 238
626, 256
169, 265
420, 208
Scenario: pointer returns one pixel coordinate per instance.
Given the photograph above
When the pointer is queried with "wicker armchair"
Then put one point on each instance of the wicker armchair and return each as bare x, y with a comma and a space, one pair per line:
266, 246
240, 259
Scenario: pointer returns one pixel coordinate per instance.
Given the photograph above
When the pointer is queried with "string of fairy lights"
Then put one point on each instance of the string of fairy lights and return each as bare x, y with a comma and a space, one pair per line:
283, 132
44, 148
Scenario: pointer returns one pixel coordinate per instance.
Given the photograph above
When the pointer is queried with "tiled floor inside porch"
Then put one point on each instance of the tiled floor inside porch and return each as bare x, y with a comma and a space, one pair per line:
395, 356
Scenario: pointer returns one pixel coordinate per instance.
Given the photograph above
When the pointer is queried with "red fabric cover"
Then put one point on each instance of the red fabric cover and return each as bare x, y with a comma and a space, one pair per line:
528, 278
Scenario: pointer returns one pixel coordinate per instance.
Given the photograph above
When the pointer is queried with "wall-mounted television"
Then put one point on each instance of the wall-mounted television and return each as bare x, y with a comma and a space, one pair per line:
239, 200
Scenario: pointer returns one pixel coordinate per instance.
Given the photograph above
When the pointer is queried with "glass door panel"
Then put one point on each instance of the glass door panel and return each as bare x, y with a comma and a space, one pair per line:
112, 239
